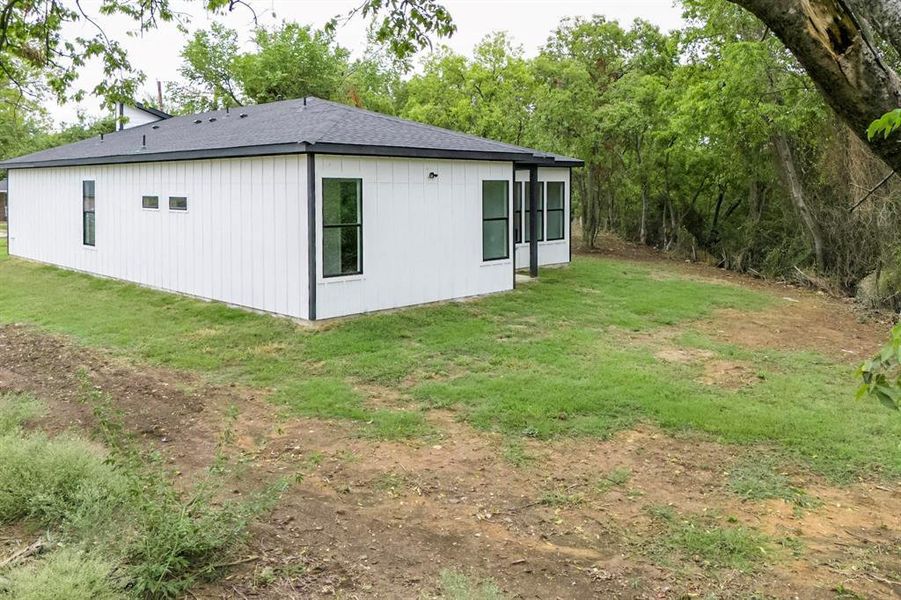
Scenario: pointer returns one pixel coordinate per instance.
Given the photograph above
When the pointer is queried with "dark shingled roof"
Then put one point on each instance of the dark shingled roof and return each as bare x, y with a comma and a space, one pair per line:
288, 127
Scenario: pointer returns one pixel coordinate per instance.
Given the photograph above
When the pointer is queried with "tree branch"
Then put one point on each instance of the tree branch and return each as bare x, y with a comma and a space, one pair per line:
872, 191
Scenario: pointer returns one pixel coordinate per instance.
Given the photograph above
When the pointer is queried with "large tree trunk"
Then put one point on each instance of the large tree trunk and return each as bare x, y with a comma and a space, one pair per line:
883, 16
796, 192
834, 45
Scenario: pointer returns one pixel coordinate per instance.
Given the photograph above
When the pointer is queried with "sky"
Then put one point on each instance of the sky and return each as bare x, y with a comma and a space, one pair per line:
156, 53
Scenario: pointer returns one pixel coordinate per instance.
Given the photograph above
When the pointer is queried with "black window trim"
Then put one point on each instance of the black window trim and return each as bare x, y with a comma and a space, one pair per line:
178, 210
505, 218
358, 225
517, 214
85, 213
145, 197
561, 210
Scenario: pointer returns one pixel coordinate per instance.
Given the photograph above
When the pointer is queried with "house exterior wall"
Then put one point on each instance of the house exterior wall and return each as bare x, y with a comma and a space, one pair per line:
554, 252
241, 241
135, 117
244, 238
422, 237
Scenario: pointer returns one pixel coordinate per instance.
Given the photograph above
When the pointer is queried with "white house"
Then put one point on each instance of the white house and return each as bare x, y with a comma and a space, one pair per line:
304, 208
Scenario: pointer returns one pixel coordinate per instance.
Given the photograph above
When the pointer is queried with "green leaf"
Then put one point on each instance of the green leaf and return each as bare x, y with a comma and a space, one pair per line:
885, 125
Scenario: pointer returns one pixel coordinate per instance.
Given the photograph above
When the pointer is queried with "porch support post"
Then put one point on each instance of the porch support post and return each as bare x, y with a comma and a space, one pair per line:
533, 221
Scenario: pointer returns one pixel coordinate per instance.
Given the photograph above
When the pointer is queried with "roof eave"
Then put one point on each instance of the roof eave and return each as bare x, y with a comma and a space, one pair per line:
140, 157
300, 148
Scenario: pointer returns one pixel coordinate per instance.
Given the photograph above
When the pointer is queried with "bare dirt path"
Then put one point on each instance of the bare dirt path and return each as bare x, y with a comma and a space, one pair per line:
380, 520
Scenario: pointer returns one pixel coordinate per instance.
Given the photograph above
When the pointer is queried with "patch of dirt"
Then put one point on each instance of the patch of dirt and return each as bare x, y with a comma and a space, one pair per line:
684, 355
799, 318
728, 374
377, 519
808, 323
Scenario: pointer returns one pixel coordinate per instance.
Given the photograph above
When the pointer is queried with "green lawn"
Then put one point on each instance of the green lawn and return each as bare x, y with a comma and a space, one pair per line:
546, 360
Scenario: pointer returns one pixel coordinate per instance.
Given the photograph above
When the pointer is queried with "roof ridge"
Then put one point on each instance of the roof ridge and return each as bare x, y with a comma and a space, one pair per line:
392, 118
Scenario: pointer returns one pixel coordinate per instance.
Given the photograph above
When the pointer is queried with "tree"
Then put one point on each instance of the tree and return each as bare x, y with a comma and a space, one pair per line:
292, 61
289, 61
489, 95
835, 41
34, 47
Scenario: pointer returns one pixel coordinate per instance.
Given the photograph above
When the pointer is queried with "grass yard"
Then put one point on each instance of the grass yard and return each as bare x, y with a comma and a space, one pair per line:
702, 427
550, 359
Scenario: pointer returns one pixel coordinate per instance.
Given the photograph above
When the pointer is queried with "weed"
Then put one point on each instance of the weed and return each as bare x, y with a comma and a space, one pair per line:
618, 477
65, 573
703, 540
392, 483
760, 479
16, 409
561, 498
314, 459
457, 586
120, 501
516, 454
61, 481
178, 541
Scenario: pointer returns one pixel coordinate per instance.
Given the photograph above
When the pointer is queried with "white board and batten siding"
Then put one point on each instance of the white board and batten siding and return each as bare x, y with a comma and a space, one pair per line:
422, 237
242, 239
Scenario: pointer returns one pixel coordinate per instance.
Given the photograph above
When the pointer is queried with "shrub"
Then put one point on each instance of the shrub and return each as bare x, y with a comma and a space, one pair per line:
57, 482
160, 541
66, 573
16, 409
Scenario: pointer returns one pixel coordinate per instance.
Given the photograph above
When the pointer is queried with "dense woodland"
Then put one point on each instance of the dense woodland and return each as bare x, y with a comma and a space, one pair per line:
710, 141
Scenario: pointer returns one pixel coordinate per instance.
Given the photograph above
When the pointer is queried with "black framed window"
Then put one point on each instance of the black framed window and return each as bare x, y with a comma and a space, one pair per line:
342, 227
527, 215
178, 203
495, 220
555, 214
88, 222
517, 212
150, 202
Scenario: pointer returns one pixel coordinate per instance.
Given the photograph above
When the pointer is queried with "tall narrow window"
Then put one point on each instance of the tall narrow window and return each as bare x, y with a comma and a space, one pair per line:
88, 224
495, 220
517, 212
555, 213
342, 227
528, 194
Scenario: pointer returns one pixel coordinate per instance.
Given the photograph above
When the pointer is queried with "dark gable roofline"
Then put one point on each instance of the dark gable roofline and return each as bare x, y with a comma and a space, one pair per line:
300, 126
153, 111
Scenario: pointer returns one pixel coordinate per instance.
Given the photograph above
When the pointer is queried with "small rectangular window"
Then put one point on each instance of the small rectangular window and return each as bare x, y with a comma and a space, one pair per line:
528, 205
178, 203
342, 227
151, 202
555, 213
517, 212
88, 223
495, 220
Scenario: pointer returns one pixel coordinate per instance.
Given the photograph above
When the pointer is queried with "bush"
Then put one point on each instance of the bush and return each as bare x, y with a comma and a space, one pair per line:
16, 409
65, 573
61, 481
183, 542
160, 542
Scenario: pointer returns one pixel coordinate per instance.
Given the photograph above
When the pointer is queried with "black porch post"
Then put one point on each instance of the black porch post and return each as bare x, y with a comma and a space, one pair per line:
533, 221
